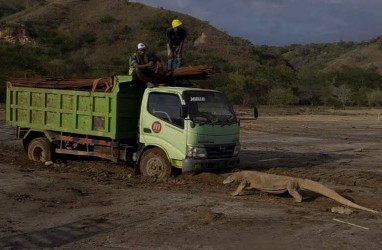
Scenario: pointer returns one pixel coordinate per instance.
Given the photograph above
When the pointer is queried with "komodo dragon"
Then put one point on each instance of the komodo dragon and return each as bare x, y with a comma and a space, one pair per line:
278, 184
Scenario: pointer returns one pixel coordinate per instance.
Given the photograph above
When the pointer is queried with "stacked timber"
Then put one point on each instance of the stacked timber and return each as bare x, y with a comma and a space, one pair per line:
56, 83
190, 72
106, 83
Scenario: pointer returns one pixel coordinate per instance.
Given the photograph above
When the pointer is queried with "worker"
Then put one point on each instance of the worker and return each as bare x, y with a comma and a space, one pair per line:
145, 67
176, 35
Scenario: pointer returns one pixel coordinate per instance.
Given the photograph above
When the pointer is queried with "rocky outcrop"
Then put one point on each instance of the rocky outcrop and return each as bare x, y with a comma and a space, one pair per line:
16, 34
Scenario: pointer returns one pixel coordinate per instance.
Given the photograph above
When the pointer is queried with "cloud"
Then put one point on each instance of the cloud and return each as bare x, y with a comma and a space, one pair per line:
279, 22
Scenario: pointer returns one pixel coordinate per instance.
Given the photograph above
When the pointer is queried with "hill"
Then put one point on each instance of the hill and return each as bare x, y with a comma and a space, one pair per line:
11, 7
93, 38
90, 38
368, 57
102, 32
327, 71
333, 56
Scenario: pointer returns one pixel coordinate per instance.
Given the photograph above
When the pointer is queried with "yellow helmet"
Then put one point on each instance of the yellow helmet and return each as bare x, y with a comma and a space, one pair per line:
176, 23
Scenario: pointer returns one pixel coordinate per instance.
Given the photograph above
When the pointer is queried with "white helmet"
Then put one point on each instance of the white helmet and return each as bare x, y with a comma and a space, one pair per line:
141, 46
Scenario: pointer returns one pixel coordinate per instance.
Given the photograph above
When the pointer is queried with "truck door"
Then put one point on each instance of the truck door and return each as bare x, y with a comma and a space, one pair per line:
162, 124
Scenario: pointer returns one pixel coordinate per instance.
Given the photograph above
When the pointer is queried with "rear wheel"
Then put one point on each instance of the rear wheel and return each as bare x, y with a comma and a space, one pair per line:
154, 163
40, 149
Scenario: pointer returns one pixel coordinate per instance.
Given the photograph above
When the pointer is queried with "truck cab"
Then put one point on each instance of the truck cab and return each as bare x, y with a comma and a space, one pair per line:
186, 128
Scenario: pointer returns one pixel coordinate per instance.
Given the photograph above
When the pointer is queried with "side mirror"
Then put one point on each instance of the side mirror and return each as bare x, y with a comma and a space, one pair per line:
184, 111
255, 113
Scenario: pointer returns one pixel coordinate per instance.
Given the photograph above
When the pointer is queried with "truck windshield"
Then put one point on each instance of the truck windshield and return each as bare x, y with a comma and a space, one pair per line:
206, 107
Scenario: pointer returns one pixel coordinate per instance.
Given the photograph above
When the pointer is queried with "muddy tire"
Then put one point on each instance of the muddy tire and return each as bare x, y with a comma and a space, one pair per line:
154, 163
40, 149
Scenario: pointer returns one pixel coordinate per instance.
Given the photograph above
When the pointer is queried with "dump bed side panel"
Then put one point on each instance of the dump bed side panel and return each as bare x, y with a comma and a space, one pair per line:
112, 115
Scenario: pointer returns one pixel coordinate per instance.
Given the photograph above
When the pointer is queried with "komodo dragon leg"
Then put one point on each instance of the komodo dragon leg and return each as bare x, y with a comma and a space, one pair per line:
292, 188
243, 184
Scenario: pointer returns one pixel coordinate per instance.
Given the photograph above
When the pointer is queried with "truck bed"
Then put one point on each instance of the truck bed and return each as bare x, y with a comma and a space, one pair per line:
113, 114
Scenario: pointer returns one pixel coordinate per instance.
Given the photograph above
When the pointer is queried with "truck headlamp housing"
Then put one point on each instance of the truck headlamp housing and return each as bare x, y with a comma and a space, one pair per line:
237, 149
196, 152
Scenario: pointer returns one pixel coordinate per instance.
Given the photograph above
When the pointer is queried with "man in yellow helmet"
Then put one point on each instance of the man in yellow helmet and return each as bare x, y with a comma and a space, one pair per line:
176, 35
145, 67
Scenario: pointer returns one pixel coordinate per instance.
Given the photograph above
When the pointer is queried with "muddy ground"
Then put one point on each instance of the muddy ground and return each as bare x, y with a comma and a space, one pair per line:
87, 203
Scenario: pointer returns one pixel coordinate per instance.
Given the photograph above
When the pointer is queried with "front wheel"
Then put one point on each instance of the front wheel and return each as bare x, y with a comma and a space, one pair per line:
40, 149
154, 163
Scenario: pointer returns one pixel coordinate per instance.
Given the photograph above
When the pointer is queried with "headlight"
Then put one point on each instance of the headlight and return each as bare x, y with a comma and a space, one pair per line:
196, 152
237, 149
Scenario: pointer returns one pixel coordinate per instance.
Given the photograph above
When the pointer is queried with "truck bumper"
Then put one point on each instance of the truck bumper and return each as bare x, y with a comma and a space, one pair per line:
209, 164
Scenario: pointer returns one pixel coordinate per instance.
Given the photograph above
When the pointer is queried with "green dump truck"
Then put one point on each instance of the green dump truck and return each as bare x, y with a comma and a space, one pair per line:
155, 129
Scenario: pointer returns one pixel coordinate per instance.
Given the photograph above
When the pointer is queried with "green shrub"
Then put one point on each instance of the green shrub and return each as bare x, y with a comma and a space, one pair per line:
15, 58
157, 26
107, 19
375, 98
281, 96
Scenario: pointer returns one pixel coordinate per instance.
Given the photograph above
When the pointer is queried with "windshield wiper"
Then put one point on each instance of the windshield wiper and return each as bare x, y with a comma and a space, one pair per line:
228, 121
203, 121
199, 121
231, 120
215, 121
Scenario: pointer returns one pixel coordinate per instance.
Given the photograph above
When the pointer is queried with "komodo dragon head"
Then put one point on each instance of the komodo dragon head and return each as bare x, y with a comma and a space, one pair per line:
231, 178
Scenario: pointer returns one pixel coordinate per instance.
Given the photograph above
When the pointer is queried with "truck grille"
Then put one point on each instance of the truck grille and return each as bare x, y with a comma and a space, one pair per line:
220, 151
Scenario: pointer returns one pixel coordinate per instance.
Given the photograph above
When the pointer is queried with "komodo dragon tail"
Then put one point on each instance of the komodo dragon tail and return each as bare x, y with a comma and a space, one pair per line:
325, 191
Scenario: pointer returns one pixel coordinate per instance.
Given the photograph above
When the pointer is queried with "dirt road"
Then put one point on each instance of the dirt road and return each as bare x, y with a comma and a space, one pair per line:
87, 203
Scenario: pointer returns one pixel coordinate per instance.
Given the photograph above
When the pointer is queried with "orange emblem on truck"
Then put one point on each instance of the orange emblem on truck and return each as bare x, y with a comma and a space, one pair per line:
156, 127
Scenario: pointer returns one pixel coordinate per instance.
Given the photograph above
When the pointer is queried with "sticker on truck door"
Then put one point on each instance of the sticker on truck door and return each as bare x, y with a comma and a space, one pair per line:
156, 127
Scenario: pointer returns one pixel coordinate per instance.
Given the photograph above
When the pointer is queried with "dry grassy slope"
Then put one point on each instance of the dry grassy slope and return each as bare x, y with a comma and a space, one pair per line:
332, 56
366, 57
75, 15
9, 7
12, 4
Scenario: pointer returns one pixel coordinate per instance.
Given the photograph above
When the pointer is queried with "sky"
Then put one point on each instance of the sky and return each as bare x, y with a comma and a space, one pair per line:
284, 22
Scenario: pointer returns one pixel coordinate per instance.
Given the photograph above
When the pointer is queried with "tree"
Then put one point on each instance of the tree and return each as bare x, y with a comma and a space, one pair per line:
360, 96
281, 96
375, 98
326, 94
343, 94
309, 94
